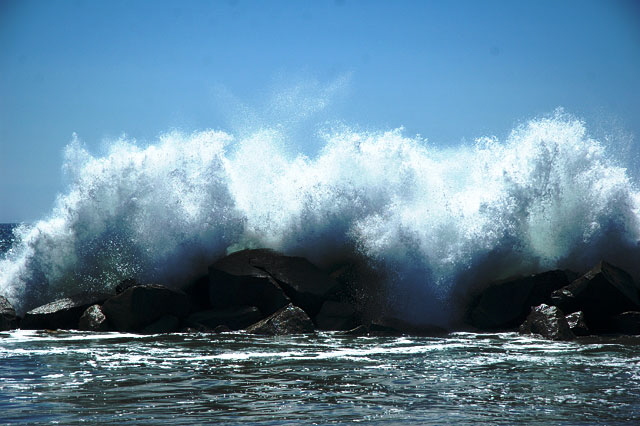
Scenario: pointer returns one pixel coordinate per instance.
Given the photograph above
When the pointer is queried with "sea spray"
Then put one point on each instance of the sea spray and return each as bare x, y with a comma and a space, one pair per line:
434, 222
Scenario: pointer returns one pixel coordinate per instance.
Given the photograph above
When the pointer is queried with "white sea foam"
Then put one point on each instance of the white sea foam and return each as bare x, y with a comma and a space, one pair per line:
434, 221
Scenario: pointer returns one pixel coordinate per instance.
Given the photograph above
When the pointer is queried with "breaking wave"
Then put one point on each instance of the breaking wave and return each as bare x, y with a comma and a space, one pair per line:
433, 221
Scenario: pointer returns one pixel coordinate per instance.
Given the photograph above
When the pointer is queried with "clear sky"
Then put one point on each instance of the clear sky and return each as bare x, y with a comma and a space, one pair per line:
448, 70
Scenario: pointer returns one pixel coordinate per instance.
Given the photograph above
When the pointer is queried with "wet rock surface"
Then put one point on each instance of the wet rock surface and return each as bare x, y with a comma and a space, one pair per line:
140, 306
60, 314
505, 305
8, 318
548, 322
93, 319
289, 320
577, 324
601, 293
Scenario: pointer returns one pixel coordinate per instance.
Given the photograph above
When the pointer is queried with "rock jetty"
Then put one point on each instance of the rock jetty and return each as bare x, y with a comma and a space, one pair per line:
261, 291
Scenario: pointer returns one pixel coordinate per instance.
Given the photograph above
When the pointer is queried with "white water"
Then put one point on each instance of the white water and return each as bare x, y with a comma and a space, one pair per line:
433, 221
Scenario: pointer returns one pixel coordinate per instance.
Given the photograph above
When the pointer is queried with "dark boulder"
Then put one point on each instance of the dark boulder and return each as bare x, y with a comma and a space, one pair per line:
336, 316
93, 319
305, 284
548, 322
8, 318
235, 318
165, 324
63, 313
577, 324
198, 293
505, 305
125, 284
288, 320
140, 306
601, 293
227, 290
627, 323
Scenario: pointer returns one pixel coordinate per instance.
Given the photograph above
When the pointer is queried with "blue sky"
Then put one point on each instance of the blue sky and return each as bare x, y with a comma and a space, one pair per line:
448, 70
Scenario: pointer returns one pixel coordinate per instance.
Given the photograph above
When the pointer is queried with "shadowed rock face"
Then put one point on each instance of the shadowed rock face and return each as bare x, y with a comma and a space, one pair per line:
601, 293
336, 316
227, 290
138, 307
8, 318
60, 314
505, 305
627, 323
289, 320
302, 282
548, 322
236, 318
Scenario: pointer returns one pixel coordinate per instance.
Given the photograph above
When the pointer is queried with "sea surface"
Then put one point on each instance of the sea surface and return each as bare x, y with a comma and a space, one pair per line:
185, 379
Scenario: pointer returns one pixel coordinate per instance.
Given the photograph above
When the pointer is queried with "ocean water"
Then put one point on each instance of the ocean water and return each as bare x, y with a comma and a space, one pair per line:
431, 222
82, 378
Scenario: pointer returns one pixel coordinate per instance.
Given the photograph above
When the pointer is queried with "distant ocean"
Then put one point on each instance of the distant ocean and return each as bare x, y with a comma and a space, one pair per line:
6, 236
433, 221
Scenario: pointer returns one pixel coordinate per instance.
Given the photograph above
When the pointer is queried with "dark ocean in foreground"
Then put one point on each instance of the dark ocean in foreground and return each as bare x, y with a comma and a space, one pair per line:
186, 379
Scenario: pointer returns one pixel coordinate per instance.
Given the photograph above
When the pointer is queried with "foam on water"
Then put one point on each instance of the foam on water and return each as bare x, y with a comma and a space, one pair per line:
433, 221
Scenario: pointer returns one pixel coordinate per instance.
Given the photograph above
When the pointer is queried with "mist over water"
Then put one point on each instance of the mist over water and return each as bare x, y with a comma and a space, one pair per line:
432, 221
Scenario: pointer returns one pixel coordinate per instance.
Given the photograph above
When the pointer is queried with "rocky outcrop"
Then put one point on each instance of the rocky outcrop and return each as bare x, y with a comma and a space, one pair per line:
626, 323
548, 322
336, 316
8, 318
93, 319
601, 293
577, 324
141, 306
235, 318
260, 290
505, 305
165, 324
198, 293
288, 320
60, 314
303, 283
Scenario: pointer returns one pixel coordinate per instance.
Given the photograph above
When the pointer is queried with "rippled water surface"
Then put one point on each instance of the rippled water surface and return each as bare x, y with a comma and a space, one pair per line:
82, 378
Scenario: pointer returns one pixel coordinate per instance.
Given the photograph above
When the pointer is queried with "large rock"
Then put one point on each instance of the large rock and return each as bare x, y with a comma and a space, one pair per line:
60, 314
93, 319
306, 285
165, 324
8, 318
505, 305
601, 293
227, 290
627, 323
288, 320
336, 316
548, 322
198, 293
140, 306
577, 324
236, 318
